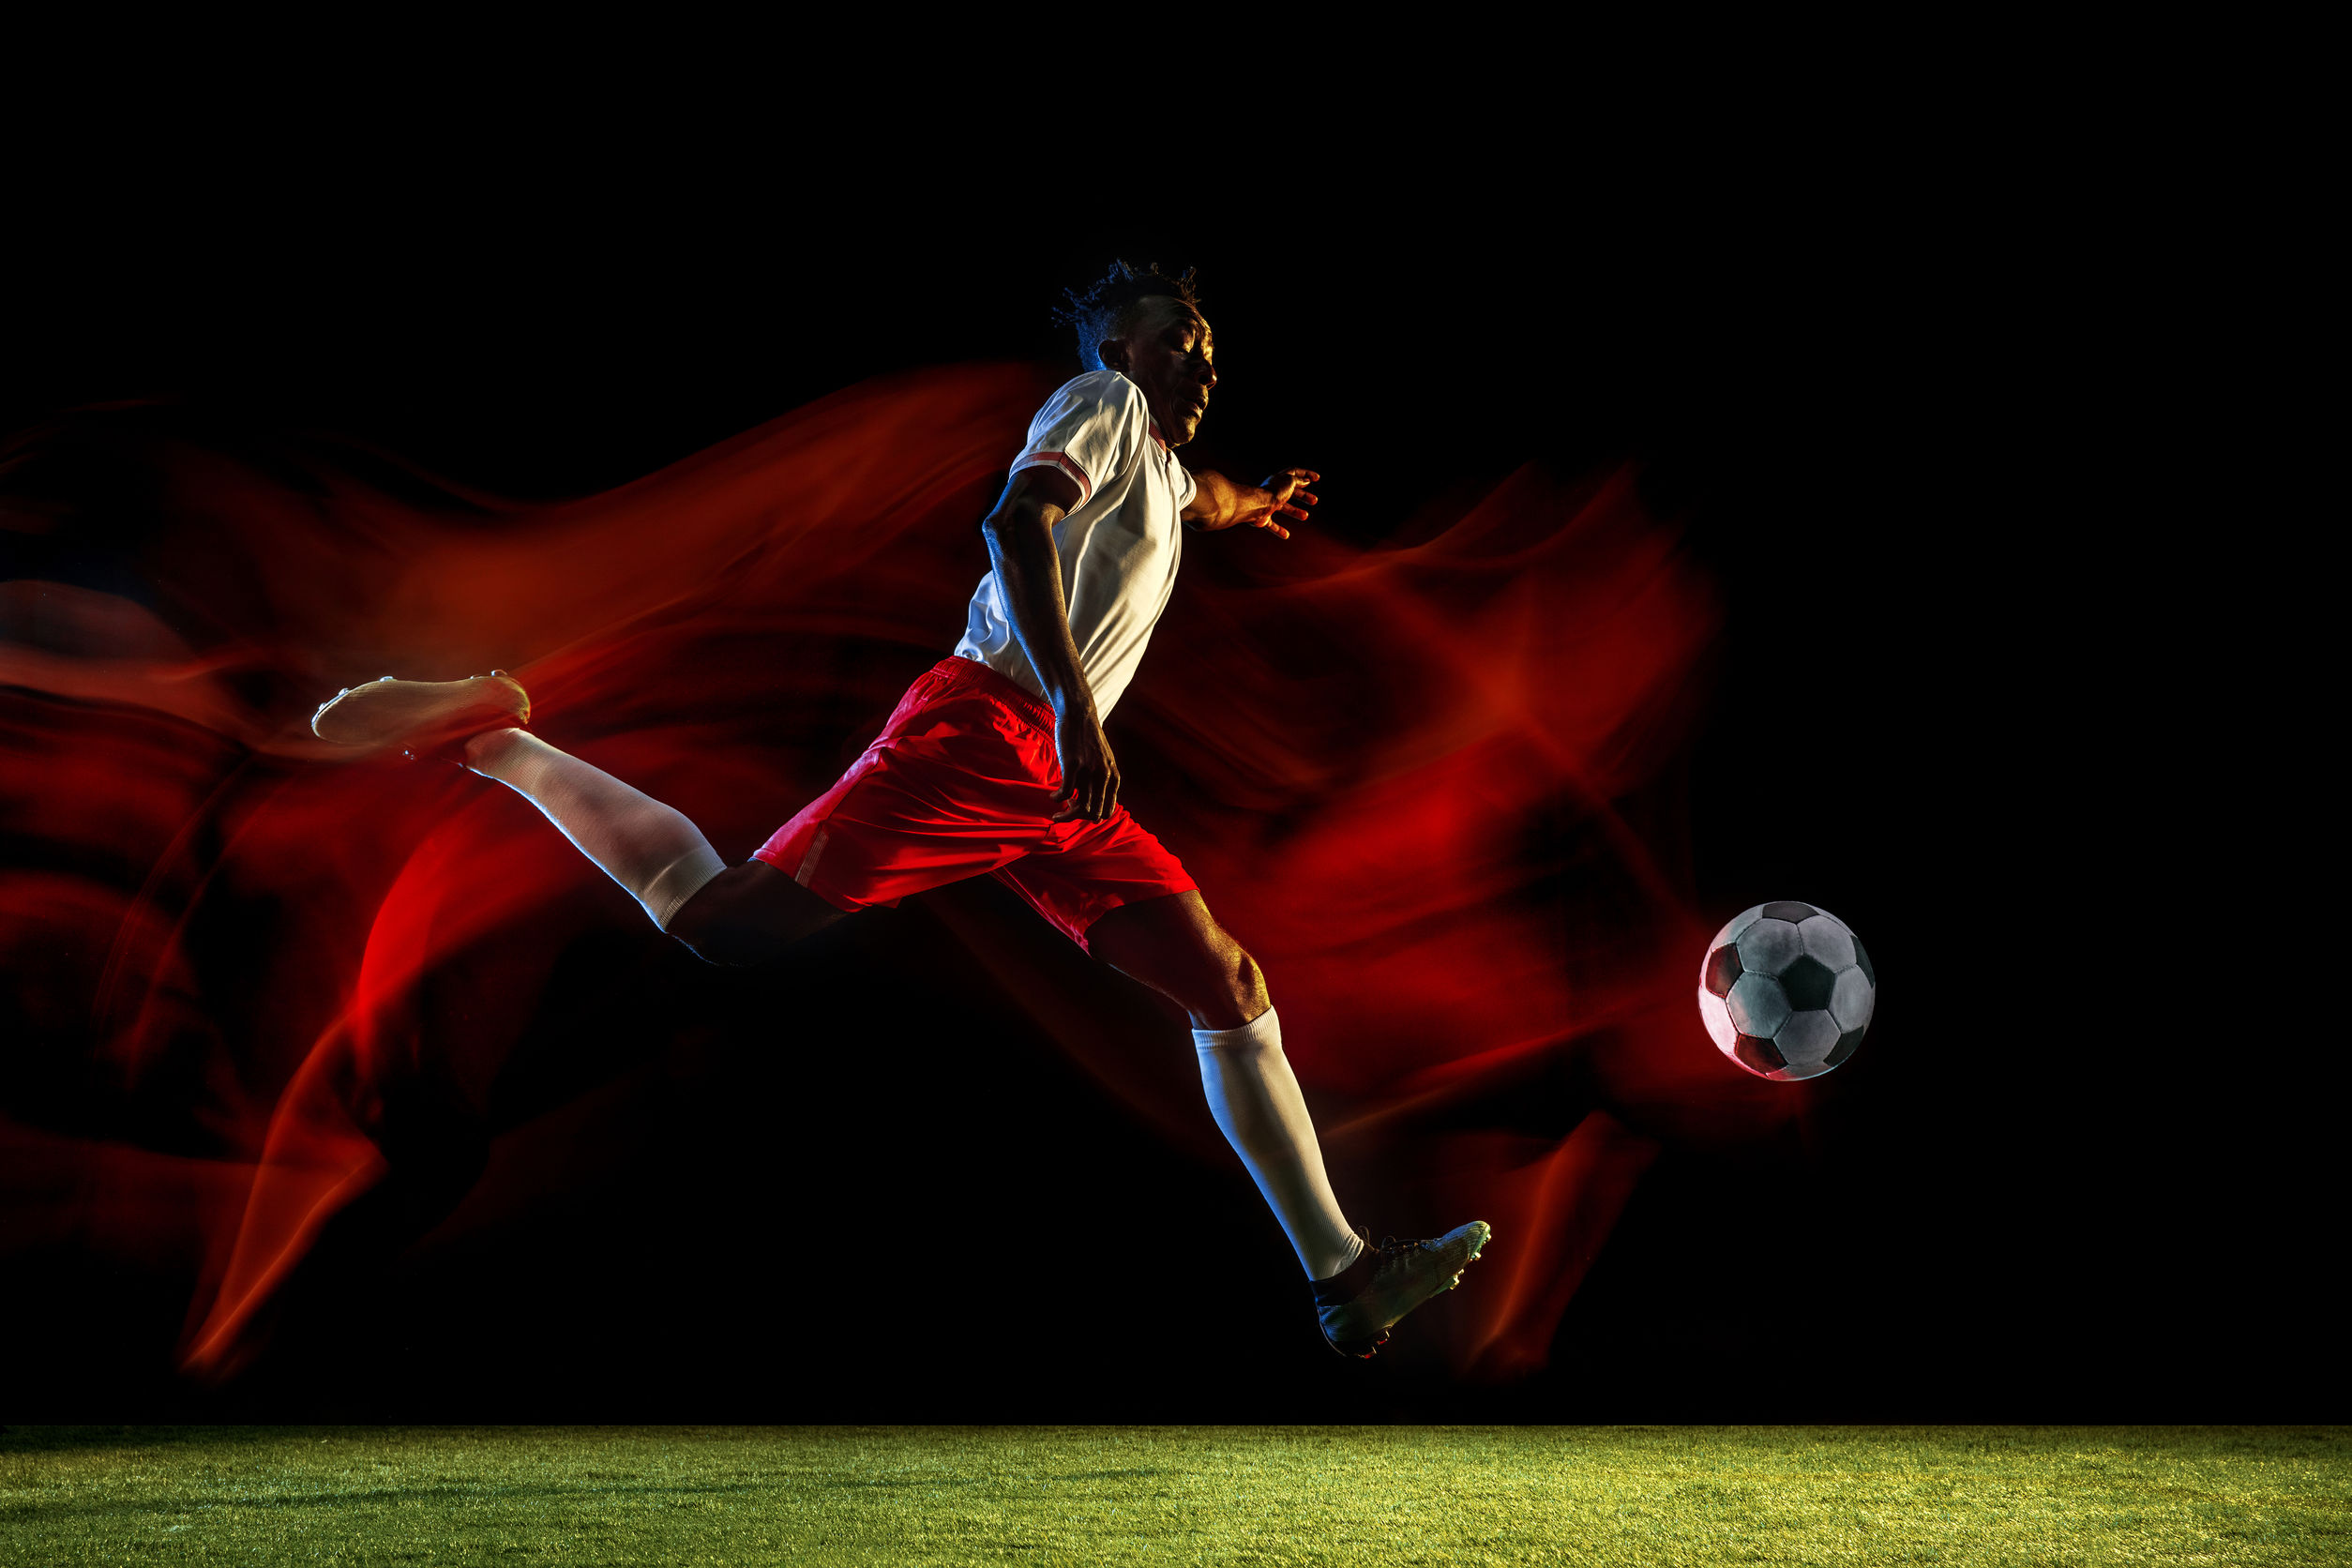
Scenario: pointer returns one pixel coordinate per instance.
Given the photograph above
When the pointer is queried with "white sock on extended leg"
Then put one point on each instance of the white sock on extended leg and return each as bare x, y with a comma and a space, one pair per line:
650, 848
1256, 1103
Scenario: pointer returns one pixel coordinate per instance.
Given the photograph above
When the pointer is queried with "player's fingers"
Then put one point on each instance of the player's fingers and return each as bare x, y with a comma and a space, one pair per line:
1308, 496
1085, 801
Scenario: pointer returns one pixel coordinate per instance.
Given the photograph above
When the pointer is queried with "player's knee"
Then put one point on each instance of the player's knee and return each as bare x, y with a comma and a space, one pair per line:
1245, 984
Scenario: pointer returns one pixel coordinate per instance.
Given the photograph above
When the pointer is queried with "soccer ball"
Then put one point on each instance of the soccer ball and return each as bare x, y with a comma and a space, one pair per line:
1786, 990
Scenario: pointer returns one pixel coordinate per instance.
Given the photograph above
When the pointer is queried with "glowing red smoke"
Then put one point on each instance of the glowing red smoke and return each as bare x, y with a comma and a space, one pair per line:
1401, 776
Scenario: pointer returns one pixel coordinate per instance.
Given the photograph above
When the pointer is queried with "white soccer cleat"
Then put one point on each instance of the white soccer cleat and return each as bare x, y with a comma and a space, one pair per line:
1399, 1276
421, 718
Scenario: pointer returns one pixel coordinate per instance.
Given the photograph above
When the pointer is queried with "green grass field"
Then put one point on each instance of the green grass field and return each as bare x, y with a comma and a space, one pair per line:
1123, 1493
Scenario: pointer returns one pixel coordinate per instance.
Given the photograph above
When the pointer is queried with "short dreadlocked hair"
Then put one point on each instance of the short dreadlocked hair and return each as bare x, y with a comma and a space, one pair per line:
1106, 309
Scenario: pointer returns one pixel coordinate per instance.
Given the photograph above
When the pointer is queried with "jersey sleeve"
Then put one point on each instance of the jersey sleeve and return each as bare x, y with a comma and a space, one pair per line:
1090, 430
1186, 488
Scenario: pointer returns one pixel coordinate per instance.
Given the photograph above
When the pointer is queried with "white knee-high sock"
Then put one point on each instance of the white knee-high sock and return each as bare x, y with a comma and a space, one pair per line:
1256, 1100
650, 848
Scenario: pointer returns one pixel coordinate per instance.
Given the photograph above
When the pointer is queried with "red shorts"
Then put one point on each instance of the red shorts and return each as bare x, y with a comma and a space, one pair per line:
960, 782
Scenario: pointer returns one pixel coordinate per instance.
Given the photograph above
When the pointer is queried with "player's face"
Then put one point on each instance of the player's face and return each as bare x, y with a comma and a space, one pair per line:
1170, 354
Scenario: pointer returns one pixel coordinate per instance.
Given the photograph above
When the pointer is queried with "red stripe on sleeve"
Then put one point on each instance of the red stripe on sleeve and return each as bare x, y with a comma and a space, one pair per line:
1062, 460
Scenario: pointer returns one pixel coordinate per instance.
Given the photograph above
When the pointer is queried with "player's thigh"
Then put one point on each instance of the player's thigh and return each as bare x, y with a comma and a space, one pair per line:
1174, 944
749, 915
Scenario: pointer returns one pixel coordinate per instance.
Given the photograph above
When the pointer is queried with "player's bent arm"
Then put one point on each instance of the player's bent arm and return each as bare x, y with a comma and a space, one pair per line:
1019, 532
1219, 503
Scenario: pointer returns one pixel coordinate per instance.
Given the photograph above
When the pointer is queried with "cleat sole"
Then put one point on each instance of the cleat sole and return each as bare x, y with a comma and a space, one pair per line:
420, 718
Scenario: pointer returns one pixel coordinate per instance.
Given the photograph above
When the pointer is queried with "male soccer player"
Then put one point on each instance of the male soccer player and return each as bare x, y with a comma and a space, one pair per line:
995, 761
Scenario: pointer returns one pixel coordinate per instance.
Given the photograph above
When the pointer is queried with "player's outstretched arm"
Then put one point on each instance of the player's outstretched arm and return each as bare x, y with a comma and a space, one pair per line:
1218, 503
1020, 543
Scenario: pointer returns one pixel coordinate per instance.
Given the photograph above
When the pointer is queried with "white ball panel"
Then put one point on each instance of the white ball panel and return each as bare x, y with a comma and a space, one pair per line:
1736, 924
1805, 1039
1793, 1072
1758, 1005
1718, 1018
1854, 999
1826, 937
1770, 947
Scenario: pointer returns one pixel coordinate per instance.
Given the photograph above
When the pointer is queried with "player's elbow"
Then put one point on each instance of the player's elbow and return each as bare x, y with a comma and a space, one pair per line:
1020, 518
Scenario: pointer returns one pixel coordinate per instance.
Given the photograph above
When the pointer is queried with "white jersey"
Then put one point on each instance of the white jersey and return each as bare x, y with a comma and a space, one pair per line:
1118, 549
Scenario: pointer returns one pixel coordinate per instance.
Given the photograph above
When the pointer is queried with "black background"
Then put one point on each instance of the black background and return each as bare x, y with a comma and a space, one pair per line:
2073, 1174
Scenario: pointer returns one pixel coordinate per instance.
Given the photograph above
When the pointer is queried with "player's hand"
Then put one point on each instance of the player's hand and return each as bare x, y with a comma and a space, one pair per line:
1089, 775
1283, 495
1286, 496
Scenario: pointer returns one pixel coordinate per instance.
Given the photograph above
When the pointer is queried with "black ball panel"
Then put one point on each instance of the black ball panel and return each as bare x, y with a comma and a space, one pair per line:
1861, 957
1722, 969
1791, 911
1844, 1049
1808, 983
1757, 1055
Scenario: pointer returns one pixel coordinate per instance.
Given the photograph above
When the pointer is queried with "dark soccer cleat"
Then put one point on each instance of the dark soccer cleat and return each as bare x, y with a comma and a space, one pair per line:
422, 718
1359, 1307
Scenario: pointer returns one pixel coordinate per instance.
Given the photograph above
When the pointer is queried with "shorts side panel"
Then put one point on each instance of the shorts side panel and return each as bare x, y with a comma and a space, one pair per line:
797, 849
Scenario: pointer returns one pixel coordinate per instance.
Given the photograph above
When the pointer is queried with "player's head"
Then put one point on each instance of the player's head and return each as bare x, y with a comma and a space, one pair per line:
1147, 327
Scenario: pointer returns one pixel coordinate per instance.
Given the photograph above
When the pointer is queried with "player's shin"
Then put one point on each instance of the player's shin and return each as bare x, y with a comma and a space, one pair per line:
1254, 1098
652, 849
